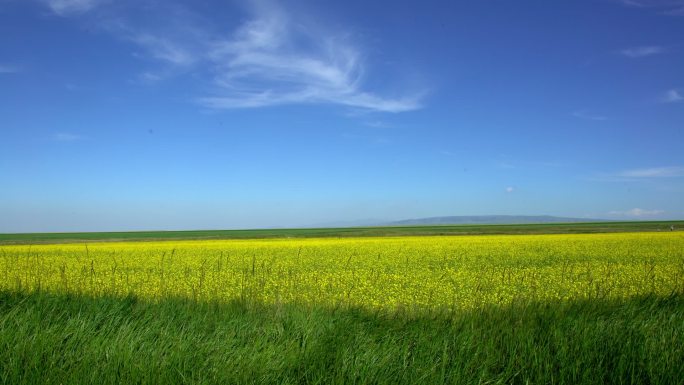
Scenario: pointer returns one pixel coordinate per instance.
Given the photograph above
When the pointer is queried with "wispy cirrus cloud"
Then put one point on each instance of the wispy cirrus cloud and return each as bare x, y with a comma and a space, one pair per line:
676, 12
163, 49
378, 124
641, 174
651, 3
636, 212
672, 96
163, 44
71, 7
666, 7
642, 51
273, 58
653, 172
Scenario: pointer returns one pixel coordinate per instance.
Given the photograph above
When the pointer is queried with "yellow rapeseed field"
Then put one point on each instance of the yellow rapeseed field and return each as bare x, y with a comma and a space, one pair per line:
453, 273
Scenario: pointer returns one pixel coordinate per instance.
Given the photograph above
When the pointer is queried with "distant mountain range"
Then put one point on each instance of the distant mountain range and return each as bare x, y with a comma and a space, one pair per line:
489, 220
456, 220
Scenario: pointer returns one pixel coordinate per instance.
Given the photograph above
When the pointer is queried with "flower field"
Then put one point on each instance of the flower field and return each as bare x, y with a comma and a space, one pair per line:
518, 309
406, 273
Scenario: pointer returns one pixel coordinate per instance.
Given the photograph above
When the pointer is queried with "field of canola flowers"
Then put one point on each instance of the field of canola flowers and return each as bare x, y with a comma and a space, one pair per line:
409, 273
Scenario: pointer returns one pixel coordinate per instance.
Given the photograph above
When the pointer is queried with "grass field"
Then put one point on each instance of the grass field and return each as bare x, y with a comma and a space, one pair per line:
571, 308
544, 228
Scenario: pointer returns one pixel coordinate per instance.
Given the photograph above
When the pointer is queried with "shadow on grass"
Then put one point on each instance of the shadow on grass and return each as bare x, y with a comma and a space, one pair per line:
61, 339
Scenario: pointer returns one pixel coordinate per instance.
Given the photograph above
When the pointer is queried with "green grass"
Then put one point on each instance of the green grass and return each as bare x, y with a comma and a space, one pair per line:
62, 339
550, 228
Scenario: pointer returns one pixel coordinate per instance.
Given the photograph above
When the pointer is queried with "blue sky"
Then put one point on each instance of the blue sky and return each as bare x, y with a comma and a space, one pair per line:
150, 114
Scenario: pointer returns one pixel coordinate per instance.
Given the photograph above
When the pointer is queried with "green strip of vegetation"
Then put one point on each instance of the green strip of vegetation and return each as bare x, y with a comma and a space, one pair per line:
65, 339
547, 228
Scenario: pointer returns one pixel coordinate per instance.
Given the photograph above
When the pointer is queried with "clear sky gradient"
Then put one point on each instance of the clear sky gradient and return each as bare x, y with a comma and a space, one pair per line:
162, 114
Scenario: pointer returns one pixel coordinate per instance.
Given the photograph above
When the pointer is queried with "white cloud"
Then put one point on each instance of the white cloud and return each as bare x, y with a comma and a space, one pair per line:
378, 124
163, 49
71, 7
178, 43
675, 12
672, 96
636, 212
637, 52
640, 174
151, 77
585, 115
66, 137
631, 3
510, 189
666, 7
652, 3
275, 60
653, 172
